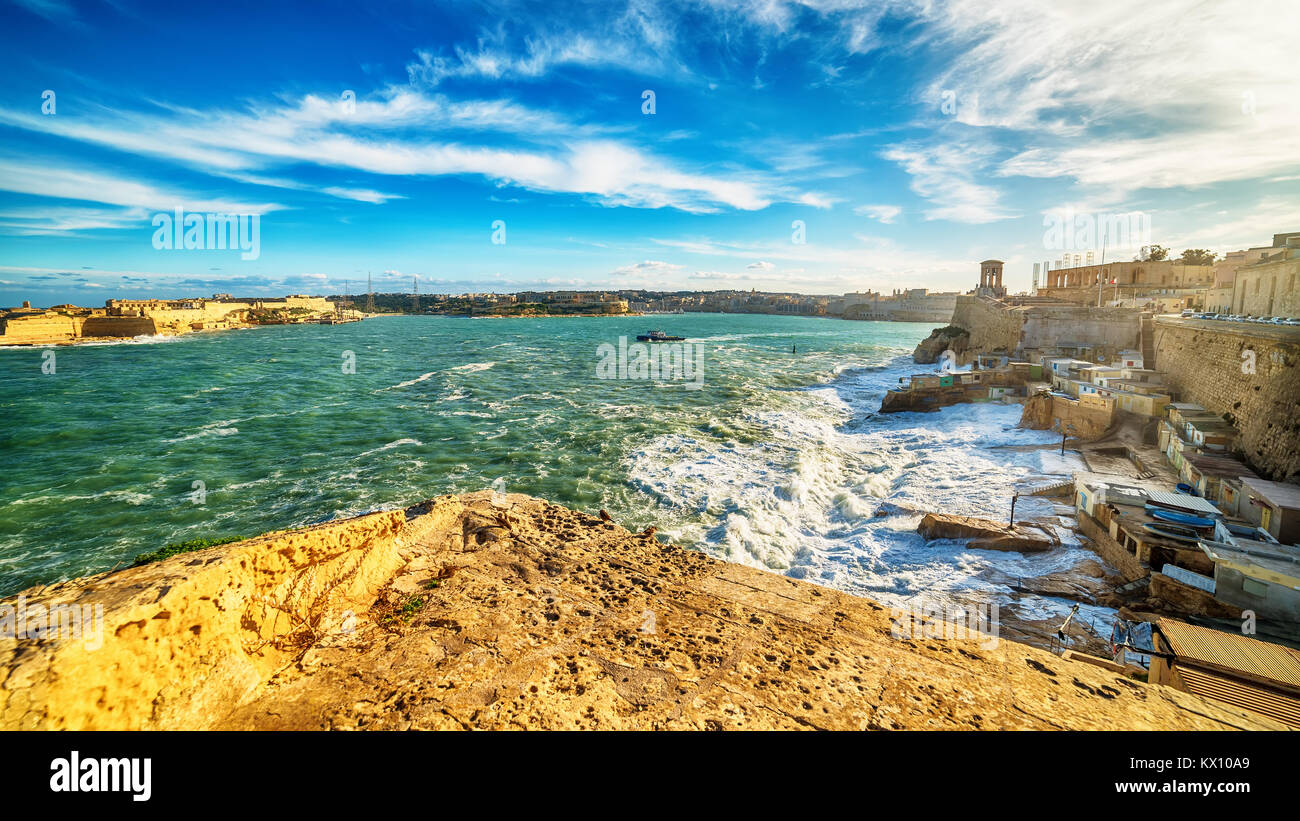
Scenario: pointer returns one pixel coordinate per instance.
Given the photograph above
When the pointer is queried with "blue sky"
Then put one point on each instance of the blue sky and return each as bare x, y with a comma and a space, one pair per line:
911, 139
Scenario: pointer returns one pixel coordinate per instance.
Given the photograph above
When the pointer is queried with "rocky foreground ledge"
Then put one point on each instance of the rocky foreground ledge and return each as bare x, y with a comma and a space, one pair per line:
477, 612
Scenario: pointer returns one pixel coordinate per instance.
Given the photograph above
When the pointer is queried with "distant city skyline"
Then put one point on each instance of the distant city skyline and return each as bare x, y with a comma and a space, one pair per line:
500, 146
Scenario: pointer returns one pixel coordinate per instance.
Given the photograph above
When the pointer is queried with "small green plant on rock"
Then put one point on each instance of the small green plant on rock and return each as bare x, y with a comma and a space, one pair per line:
176, 548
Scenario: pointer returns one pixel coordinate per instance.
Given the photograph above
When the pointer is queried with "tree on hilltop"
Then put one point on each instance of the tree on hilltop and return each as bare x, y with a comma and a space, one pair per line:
1197, 256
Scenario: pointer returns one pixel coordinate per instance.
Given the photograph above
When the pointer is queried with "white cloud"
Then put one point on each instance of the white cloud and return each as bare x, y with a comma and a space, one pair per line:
241, 145
642, 39
651, 267
56, 220
816, 200
90, 185
1185, 94
360, 194
944, 174
722, 275
879, 213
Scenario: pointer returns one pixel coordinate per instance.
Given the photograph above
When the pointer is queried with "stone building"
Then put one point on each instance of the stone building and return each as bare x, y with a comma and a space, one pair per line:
1270, 286
903, 305
1138, 281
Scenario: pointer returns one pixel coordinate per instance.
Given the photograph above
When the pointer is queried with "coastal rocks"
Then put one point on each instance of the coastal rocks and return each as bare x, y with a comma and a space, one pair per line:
489, 612
987, 535
176, 642
1168, 596
1045, 411
924, 400
950, 338
1086, 582
1037, 412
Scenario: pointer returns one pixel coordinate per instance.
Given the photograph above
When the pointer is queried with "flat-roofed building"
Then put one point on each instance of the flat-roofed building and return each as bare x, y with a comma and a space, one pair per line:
1257, 575
1274, 506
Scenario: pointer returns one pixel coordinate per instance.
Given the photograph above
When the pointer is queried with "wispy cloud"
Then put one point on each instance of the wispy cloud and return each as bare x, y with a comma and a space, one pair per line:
880, 213
77, 183
946, 175
335, 135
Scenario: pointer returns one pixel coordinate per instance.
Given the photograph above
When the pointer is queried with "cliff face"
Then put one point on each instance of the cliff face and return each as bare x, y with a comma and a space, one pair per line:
53, 328
1037, 413
992, 327
1044, 411
941, 339
509, 612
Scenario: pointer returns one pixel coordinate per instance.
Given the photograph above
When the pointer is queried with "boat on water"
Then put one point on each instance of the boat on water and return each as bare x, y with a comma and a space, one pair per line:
658, 336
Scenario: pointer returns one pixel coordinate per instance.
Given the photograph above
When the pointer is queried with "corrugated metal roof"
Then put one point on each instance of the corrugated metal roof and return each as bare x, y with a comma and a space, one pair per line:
1221, 465
1183, 501
1277, 706
1182, 574
1232, 652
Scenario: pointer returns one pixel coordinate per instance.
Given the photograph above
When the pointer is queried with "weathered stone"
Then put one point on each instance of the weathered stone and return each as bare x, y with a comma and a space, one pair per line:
1044, 411
557, 620
941, 339
985, 534
1250, 374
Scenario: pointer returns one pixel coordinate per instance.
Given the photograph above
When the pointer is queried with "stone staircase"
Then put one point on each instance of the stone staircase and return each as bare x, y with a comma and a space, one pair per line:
1062, 488
1148, 337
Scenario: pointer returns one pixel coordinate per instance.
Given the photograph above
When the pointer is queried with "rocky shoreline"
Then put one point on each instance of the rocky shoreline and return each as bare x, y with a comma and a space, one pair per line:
486, 611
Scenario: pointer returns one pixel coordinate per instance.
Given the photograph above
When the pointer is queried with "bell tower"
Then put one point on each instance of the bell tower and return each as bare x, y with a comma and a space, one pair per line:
991, 279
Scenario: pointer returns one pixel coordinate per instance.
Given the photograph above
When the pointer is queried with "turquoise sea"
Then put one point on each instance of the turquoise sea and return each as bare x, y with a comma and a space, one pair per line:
778, 460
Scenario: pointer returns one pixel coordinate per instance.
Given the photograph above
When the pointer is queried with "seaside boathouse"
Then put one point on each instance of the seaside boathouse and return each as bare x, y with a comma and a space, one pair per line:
1227, 667
1256, 574
1273, 506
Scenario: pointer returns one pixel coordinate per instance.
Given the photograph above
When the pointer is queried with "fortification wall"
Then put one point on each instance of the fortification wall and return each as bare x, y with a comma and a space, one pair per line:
1032, 330
991, 327
123, 326
40, 329
180, 319
1250, 373
1046, 326
311, 303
